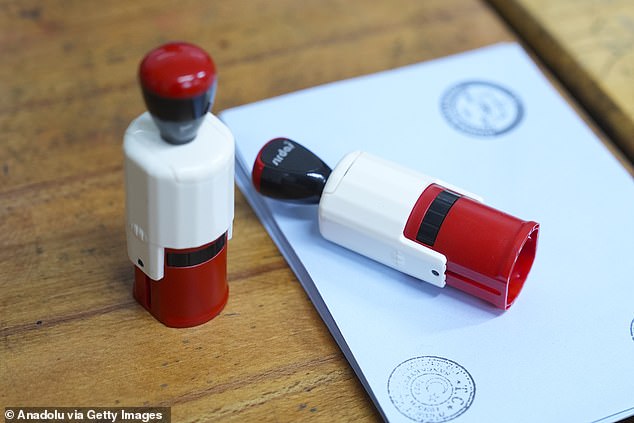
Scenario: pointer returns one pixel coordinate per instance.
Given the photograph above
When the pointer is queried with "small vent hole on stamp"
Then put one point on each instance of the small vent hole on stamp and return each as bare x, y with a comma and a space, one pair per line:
140, 262
435, 272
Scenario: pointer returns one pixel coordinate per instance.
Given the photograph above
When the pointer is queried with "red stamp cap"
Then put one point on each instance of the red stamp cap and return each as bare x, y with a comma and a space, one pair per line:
177, 70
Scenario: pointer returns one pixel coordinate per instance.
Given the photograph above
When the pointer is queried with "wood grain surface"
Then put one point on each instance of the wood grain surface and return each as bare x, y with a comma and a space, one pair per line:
589, 45
70, 332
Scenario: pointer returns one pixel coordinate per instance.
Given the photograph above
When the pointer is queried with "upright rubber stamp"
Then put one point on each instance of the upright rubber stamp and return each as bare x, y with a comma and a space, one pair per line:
179, 167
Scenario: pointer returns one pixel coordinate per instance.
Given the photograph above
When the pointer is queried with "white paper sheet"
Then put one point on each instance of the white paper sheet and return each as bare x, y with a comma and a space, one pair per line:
489, 122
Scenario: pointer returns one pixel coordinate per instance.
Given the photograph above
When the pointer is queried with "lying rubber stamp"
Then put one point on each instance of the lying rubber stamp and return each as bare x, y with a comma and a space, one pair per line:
412, 222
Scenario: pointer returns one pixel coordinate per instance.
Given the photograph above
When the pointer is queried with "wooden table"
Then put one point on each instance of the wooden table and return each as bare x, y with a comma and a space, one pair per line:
70, 332
589, 45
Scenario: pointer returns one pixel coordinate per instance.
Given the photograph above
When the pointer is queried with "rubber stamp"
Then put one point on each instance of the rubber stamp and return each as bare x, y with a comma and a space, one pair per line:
412, 222
179, 174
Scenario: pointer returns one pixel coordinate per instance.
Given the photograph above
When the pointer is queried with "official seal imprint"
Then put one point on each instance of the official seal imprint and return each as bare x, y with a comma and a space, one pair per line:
431, 389
481, 108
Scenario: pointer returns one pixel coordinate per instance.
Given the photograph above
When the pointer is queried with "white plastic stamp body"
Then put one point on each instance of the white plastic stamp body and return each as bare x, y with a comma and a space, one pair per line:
176, 196
364, 207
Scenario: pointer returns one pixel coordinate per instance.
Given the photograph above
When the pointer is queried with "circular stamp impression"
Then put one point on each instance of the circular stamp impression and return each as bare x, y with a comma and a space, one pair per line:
431, 389
632, 329
481, 108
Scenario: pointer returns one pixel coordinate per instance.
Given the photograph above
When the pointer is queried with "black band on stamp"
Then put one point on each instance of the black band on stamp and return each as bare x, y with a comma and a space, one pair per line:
435, 215
195, 258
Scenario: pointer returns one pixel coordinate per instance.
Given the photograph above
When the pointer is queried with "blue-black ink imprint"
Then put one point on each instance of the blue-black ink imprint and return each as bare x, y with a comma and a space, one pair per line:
431, 389
481, 108
632, 329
